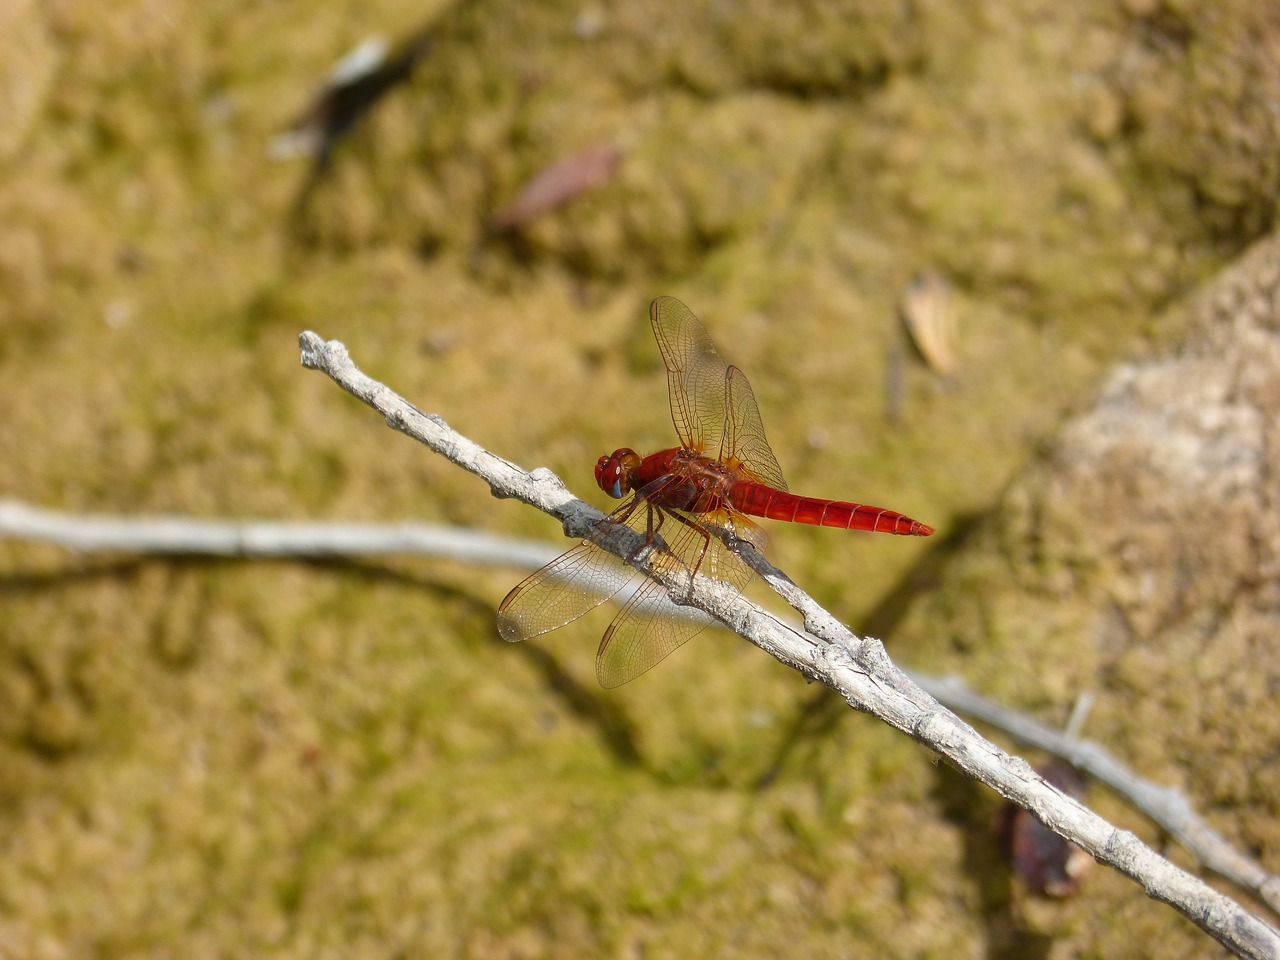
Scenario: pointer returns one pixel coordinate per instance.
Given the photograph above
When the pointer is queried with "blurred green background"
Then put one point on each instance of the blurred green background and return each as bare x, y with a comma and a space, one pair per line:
211, 758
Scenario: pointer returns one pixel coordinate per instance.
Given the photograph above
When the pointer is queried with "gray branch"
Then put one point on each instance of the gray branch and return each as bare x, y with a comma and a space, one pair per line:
858, 669
186, 536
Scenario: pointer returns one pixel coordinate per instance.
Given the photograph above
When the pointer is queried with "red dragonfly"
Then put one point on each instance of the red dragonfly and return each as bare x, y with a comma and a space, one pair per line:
688, 502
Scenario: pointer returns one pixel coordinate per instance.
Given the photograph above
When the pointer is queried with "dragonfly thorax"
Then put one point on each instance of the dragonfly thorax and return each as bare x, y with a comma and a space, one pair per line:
615, 472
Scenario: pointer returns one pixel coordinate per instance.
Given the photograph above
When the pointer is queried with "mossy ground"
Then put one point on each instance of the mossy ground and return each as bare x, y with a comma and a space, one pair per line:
207, 758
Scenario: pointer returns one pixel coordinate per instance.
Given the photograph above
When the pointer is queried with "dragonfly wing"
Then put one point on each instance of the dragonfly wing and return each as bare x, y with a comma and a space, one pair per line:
645, 631
650, 626
569, 586
712, 404
695, 373
744, 440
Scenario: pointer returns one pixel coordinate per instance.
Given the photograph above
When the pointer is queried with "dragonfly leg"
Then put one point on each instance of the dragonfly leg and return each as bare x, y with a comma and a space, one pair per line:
618, 518
650, 528
702, 554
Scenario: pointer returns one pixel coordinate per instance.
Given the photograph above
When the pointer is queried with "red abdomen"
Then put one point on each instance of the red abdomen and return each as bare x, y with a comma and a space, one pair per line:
758, 500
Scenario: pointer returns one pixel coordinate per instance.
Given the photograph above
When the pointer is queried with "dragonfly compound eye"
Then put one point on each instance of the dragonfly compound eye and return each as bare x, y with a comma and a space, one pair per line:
613, 473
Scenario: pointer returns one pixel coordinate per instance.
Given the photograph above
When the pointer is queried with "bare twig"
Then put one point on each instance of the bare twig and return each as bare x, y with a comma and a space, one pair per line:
858, 669
263, 538
1165, 806
186, 536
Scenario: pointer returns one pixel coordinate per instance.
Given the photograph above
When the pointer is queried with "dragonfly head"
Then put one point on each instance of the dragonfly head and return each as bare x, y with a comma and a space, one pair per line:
614, 472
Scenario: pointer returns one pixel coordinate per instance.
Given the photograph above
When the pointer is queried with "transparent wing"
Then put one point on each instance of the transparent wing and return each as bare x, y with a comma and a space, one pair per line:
569, 586
712, 404
650, 626
645, 631
744, 440
695, 373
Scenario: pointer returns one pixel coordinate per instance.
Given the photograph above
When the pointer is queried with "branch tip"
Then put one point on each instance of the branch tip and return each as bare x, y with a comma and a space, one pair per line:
318, 353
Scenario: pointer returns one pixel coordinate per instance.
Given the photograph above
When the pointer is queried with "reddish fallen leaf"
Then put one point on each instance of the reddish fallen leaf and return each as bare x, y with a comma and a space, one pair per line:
1049, 865
558, 184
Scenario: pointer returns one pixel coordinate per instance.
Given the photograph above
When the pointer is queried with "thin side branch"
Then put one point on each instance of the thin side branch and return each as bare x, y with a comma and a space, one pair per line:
1165, 806
185, 536
858, 669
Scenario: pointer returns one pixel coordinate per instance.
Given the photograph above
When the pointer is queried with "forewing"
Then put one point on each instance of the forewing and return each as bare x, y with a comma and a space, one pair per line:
744, 440
569, 586
650, 626
695, 373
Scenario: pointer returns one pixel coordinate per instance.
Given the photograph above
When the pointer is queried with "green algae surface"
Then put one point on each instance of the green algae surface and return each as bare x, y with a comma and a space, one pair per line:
213, 758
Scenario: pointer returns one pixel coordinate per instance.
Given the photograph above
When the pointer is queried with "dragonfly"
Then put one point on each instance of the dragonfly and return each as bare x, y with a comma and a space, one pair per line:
693, 505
